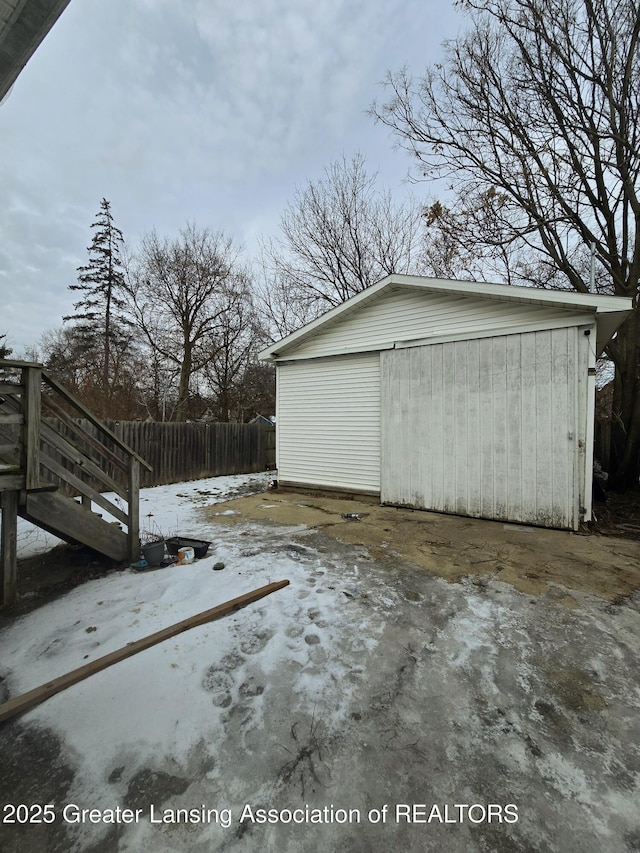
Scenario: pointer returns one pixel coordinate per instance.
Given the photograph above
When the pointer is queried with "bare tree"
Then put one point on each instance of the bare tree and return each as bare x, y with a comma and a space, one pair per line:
157, 385
67, 357
539, 102
471, 240
232, 348
178, 292
257, 389
339, 236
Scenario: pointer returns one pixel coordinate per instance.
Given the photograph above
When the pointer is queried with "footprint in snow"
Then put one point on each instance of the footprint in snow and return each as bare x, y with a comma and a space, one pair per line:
255, 642
219, 684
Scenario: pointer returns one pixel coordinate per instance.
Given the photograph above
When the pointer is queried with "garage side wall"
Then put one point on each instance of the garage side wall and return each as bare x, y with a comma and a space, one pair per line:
328, 414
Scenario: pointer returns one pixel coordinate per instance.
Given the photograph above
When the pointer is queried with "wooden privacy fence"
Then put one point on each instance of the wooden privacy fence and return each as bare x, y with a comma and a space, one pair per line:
189, 451
269, 447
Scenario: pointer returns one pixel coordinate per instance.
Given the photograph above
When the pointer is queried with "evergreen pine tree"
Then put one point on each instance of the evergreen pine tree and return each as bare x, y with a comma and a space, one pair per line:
100, 325
5, 351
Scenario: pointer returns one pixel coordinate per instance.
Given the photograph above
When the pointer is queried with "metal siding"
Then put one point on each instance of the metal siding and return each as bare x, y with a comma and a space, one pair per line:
474, 459
434, 416
484, 427
409, 315
486, 430
500, 428
328, 416
513, 416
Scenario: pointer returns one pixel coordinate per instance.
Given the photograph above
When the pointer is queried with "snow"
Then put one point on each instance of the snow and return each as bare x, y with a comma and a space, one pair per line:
370, 695
163, 701
164, 510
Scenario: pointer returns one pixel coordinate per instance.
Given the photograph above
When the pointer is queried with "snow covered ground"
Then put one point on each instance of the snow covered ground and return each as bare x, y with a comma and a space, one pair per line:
181, 698
163, 509
361, 684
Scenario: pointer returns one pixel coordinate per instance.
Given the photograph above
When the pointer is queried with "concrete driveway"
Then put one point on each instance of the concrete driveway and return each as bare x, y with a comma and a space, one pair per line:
373, 704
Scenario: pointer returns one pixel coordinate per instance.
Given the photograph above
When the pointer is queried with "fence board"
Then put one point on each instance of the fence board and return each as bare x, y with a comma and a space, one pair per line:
270, 447
191, 451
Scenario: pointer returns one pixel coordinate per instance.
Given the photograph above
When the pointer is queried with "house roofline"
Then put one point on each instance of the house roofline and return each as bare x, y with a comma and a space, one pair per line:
613, 308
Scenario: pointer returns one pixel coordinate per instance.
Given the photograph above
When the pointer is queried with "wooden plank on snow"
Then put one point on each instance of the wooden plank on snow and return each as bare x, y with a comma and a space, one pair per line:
20, 704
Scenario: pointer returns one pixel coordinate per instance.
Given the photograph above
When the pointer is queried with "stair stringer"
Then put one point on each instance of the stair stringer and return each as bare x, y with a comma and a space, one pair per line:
67, 519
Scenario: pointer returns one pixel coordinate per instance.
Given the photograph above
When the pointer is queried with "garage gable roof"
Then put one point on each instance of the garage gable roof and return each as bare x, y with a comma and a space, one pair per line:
607, 311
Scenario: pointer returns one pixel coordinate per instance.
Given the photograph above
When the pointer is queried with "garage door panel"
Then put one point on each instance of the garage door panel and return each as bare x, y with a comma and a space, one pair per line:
328, 413
500, 428
513, 416
483, 428
473, 460
529, 413
432, 423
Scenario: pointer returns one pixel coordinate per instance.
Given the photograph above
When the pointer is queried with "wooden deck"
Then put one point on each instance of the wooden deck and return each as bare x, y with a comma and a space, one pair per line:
52, 469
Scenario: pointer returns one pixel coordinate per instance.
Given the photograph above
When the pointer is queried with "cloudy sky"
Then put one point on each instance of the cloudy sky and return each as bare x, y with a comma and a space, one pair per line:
212, 111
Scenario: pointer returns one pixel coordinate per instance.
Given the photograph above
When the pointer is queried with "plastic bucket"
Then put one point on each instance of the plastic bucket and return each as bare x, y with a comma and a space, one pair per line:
186, 555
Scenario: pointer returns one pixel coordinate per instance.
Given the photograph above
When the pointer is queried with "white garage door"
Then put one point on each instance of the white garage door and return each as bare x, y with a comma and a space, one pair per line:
483, 427
328, 414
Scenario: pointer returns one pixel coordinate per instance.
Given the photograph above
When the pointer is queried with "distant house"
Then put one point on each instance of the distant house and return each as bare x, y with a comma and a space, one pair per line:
263, 421
461, 397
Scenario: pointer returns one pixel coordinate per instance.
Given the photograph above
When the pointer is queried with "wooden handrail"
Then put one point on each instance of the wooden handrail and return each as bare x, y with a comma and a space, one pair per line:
5, 362
68, 396
77, 457
32, 379
77, 428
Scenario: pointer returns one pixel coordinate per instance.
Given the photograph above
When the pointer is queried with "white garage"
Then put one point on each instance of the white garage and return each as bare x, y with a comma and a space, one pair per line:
460, 397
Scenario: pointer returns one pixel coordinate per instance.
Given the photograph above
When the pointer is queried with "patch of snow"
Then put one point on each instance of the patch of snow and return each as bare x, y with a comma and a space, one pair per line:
136, 709
32, 540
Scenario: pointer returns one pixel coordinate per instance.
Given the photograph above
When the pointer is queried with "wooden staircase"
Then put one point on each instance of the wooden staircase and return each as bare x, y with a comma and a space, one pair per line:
56, 460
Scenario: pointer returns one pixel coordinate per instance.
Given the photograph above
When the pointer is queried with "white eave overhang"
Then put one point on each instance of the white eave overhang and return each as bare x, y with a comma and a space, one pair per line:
23, 26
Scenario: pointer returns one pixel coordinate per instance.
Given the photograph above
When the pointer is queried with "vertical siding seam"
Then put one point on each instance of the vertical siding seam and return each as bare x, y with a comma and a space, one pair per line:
552, 412
466, 422
493, 427
536, 409
522, 435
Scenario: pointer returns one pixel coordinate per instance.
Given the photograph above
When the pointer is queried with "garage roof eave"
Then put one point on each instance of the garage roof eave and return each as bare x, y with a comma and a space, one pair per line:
23, 26
609, 311
607, 325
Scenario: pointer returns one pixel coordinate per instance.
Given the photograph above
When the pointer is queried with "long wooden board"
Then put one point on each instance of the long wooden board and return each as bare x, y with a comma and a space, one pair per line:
20, 704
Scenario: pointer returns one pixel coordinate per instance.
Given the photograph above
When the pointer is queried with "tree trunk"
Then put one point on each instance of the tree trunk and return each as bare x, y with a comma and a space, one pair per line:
107, 342
183, 388
624, 459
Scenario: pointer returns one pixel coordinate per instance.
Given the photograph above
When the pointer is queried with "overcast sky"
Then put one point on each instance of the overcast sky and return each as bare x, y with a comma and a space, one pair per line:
212, 111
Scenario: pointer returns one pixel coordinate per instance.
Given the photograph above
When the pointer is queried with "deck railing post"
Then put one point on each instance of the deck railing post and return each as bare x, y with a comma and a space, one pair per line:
134, 509
32, 380
8, 547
